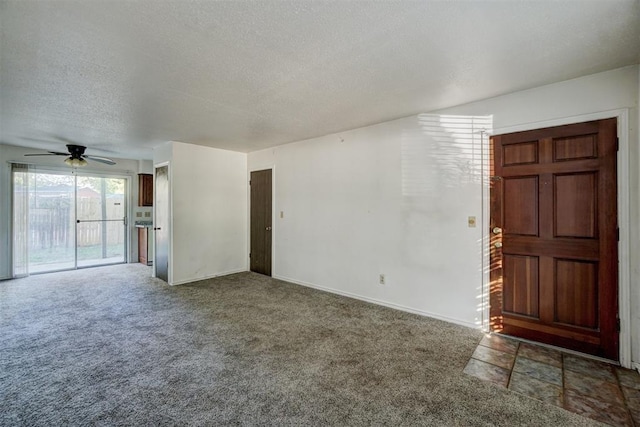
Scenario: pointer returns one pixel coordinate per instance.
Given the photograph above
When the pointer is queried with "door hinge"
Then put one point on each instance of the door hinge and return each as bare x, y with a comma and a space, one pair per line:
617, 144
249, 254
618, 324
618, 234
249, 182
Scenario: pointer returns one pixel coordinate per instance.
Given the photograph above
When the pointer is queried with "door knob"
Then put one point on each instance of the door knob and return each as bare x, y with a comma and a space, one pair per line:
498, 244
268, 228
497, 230
156, 228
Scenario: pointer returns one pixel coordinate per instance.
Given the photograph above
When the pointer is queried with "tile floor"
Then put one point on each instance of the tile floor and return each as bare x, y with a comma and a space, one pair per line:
594, 389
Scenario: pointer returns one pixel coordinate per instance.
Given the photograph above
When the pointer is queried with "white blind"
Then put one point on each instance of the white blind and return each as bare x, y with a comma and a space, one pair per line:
22, 180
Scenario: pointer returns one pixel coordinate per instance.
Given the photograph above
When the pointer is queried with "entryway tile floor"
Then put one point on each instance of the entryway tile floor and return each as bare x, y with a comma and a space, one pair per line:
591, 388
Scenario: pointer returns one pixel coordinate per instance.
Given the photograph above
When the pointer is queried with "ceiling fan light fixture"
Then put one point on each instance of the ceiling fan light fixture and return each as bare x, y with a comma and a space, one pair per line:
75, 162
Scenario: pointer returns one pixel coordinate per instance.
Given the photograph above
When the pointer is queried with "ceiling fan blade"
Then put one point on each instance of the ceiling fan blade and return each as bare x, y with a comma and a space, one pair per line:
50, 153
100, 159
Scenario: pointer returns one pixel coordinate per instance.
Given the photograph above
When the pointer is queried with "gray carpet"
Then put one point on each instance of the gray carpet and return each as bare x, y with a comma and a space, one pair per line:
111, 346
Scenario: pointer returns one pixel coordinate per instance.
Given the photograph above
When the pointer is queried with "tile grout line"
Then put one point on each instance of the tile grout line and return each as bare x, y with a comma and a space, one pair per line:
563, 390
515, 357
624, 397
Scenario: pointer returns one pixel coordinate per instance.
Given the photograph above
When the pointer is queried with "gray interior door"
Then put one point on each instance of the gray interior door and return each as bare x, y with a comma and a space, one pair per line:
161, 225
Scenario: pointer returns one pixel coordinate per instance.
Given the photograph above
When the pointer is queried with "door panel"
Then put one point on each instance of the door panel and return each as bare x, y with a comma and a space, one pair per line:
260, 257
575, 205
522, 296
521, 154
51, 232
554, 236
574, 148
576, 293
161, 223
100, 224
521, 195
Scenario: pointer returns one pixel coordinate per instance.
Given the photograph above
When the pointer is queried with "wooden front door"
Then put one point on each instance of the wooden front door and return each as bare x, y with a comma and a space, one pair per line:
260, 256
554, 249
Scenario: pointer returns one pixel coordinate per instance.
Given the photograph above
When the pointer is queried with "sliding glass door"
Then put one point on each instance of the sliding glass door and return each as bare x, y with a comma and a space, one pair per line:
64, 221
50, 229
100, 231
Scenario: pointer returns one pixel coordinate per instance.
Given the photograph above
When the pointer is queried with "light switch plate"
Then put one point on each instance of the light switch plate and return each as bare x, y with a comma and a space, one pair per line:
147, 214
472, 222
138, 214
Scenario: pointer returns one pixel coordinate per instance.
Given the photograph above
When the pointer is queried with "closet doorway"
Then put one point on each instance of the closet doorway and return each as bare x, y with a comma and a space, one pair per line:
64, 222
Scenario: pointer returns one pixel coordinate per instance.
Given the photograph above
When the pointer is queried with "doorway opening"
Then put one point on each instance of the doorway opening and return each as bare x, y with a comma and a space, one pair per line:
65, 222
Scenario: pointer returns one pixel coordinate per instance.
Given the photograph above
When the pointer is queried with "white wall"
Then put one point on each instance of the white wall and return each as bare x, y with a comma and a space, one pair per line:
635, 241
123, 167
394, 199
382, 200
209, 211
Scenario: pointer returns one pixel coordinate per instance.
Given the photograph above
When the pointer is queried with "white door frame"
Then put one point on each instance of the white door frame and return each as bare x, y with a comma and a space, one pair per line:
624, 266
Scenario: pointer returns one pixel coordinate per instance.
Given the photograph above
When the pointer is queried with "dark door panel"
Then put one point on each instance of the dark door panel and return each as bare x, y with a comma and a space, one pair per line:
261, 226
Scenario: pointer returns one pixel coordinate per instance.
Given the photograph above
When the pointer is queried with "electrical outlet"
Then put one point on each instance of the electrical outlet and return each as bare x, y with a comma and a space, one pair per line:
382, 279
147, 214
138, 214
281, 214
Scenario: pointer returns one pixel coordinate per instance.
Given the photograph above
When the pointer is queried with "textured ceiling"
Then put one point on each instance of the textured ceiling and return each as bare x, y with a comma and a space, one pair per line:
123, 76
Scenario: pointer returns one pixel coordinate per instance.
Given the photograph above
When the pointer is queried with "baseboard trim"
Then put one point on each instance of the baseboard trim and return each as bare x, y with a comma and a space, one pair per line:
211, 276
379, 302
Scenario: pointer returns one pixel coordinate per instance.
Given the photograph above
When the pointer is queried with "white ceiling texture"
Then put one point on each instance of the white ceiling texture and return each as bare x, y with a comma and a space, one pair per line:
123, 76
